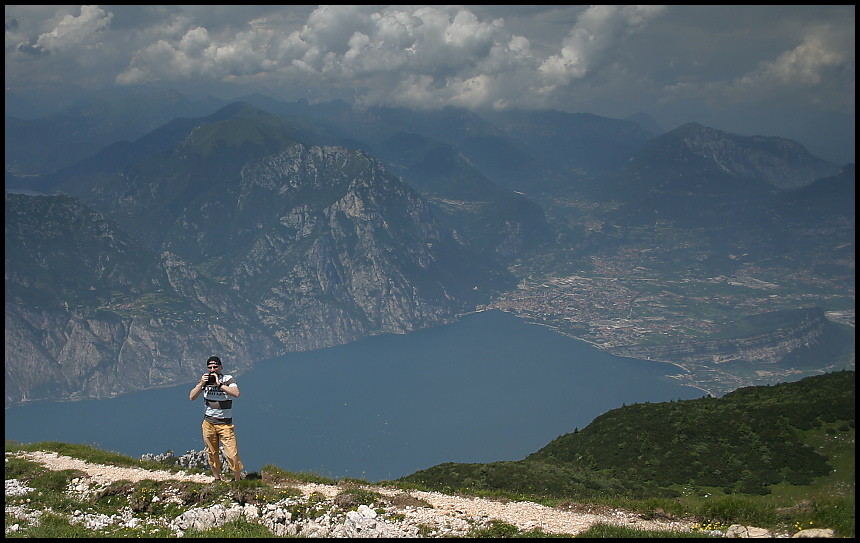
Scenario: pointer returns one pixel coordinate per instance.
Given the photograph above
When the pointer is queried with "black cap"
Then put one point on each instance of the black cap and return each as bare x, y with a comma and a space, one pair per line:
214, 359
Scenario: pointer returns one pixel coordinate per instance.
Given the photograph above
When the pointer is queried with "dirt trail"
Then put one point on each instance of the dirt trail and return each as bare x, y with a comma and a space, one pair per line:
524, 515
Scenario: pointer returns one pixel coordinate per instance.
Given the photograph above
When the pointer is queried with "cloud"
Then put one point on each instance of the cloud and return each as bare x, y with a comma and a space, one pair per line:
429, 55
809, 65
72, 31
820, 68
418, 56
679, 63
596, 31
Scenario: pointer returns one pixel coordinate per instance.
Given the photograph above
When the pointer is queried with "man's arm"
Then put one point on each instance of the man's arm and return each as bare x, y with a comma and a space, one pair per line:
198, 388
231, 389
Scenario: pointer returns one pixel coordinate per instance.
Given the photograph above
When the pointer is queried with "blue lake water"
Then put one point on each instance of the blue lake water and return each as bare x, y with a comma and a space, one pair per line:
489, 387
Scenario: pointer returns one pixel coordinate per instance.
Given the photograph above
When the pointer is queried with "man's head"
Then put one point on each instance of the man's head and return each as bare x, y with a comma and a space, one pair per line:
214, 364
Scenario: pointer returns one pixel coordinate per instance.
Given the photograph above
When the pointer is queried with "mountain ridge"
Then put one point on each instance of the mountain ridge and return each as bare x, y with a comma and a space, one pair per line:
313, 246
422, 249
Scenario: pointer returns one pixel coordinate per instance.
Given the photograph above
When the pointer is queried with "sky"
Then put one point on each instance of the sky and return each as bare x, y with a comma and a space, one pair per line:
783, 71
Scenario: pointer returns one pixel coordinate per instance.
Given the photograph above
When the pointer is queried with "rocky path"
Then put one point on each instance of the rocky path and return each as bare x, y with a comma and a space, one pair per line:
445, 508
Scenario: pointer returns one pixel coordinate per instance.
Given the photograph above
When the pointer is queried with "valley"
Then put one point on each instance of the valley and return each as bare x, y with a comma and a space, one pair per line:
258, 232
622, 305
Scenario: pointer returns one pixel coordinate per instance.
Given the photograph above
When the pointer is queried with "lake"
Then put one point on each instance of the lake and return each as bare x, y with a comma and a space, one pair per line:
489, 387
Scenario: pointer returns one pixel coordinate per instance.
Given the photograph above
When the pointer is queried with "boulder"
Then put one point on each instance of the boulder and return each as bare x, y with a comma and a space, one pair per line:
815, 532
738, 530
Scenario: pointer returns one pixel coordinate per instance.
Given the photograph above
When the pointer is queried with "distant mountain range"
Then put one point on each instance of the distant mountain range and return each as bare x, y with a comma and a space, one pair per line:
166, 232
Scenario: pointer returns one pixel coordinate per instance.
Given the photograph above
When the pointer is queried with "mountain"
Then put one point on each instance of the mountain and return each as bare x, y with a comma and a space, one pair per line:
814, 226
314, 245
581, 145
472, 173
330, 222
43, 145
502, 223
743, 443
827, 198
92, 314
693, 148
698, 176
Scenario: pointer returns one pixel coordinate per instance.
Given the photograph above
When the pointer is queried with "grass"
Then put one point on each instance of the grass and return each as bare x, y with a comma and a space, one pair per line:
826, 504
92, 454
612, 532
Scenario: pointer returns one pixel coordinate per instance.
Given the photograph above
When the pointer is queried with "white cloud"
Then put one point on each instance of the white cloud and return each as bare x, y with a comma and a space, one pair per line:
72, 31
819, 70
344, 47
804, 65
435, 55
684, 62
595, 33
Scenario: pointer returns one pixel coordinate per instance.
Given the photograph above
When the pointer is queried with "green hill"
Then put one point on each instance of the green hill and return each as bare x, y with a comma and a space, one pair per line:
742, 443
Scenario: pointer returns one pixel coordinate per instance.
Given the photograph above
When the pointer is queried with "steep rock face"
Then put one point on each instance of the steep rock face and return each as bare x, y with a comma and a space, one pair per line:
57, 355
236, 250
346, 246
90, 314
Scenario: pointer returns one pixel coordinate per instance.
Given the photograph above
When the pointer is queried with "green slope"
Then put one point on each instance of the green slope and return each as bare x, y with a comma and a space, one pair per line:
743, 442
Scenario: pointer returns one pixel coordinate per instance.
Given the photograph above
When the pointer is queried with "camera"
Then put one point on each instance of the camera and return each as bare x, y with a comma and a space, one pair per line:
210, 381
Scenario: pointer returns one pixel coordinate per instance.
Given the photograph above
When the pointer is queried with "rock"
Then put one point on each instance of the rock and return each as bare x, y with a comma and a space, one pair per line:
815, 532
14, 487
360, 523
191, 459
738, 530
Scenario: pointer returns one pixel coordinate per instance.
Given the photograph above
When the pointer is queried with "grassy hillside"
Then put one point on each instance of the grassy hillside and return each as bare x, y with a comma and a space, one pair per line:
779, 457
791, 443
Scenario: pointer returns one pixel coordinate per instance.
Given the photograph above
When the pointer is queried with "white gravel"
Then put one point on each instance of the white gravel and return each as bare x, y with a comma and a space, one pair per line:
445, 508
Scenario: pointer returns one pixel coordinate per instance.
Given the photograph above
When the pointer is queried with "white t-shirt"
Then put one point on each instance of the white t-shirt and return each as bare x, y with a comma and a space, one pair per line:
219, 406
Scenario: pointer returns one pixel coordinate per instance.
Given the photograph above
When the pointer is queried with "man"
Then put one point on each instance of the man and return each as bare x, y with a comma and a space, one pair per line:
218, 417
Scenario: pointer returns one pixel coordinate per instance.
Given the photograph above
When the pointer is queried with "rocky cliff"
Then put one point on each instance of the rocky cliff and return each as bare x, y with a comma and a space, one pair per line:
91, 314
59, 355
249, 235
343, 249
237, 240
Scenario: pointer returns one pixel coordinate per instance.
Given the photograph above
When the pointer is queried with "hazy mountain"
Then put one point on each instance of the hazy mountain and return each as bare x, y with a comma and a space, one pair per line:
814, 226
647, 123
699, 176
91, 313
320, 244
35, 146
321, 223
825, 199
578, 144
486, 147
780, 162
502, 223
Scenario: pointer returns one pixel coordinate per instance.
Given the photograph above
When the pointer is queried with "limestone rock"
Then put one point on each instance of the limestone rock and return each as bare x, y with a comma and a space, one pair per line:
815, 532
739, 530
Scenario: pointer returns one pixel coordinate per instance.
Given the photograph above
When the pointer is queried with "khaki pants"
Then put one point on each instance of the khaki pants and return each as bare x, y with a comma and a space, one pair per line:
212, 433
